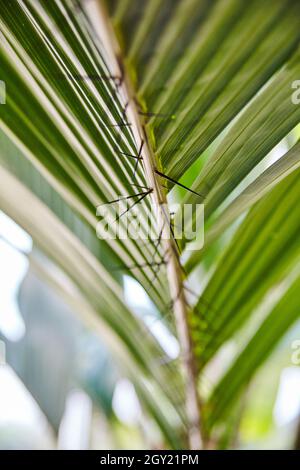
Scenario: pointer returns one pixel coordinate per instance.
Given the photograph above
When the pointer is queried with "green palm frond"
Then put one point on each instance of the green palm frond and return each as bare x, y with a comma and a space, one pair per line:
129, 99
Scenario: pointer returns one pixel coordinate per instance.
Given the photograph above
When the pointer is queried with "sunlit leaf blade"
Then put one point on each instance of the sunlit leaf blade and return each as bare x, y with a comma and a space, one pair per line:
174, 38
243, 276
285, 313
255, 191
198, 53
268, 119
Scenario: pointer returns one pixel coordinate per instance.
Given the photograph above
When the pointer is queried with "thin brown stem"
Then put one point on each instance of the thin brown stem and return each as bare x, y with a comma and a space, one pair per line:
174, 269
